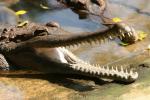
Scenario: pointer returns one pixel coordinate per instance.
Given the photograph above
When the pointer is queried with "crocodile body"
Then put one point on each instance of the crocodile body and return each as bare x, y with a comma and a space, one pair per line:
41, 48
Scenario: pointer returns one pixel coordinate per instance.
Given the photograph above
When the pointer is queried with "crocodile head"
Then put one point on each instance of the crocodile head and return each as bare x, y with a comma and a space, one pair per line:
59, 54
118, 73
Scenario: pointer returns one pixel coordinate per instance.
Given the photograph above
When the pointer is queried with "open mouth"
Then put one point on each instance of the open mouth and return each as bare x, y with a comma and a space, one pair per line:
59, 41
117, 73
110, 72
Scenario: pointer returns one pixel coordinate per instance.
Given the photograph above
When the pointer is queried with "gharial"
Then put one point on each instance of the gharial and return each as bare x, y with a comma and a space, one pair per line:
41, 47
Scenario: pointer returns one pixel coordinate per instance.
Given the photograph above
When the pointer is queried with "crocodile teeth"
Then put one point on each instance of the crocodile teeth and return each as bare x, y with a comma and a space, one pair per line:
128, 28
122, 34
106, 71
76, 45
110, 37
133, 30
131, 72
129, 34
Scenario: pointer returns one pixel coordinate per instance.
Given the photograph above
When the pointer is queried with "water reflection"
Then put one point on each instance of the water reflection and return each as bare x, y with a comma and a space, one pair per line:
67, 19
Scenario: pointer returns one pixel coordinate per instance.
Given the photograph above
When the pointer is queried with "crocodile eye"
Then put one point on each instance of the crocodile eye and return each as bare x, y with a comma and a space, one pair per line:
53, 24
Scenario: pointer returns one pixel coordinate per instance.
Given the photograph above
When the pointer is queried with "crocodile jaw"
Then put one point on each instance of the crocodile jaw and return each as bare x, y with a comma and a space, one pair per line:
70, 61
80, 67
57, 55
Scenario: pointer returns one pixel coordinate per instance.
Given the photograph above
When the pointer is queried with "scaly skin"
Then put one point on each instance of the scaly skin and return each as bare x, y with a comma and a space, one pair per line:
36, 35
49, 36
37, 41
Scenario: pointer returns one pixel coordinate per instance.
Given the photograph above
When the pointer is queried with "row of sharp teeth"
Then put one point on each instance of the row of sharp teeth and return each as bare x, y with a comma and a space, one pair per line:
101, 39
98, 70
121, 72
123, 34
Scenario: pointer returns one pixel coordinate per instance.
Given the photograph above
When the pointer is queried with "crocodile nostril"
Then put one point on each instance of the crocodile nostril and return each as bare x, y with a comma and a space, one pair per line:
4, 30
